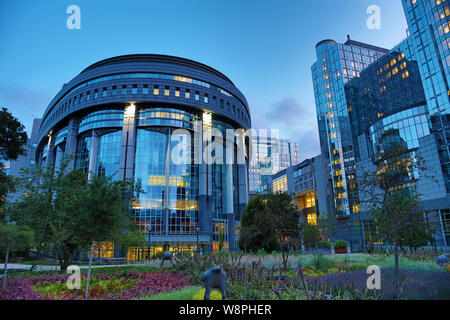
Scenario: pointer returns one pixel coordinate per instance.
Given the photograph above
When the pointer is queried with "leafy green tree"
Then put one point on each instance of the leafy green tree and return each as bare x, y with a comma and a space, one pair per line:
311, 235
104, 212
269, 222
285, 216
257, 231
13, 238
51, 207
13, 139
395, 206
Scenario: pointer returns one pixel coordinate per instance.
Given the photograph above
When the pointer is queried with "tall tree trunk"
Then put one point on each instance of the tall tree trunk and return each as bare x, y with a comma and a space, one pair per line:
86, 291
6, 267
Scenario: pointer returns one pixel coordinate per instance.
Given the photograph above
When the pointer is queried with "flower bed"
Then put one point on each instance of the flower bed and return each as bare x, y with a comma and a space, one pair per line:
103, 286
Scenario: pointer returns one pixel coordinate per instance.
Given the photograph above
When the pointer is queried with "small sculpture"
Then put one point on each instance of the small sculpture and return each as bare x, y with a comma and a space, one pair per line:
442, 261
167, 256
214, 278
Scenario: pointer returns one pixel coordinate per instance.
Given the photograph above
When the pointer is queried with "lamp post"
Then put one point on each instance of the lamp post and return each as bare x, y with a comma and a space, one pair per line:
198, 230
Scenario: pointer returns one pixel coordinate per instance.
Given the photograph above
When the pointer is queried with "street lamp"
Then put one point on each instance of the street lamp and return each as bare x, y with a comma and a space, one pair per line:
198, 230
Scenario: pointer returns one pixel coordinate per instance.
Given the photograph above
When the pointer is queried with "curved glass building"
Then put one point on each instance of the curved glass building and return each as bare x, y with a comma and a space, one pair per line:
127, 117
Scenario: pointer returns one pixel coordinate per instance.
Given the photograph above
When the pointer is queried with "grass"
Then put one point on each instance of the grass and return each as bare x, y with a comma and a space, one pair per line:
187, 293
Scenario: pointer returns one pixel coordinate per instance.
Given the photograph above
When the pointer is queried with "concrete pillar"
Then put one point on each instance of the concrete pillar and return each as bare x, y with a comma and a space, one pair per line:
128, 145
58, 158
71, 143
93, 155
49, 160
229, 204
205, 181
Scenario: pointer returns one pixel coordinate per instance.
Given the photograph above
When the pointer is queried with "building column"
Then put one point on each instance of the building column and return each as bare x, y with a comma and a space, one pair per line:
50, 157
205, 181
58, 158
93, 155
128, 145
71, 143
243, 186
229, 205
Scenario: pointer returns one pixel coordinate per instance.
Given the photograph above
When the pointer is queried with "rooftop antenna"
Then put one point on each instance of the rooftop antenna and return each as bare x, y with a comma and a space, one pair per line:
348, 37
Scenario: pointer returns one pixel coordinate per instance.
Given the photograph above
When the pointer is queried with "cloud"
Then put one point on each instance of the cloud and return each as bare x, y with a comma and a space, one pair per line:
294, 121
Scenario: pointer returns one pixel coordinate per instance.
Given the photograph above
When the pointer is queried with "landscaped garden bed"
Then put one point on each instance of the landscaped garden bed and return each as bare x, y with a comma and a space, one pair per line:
249, 277
119, 286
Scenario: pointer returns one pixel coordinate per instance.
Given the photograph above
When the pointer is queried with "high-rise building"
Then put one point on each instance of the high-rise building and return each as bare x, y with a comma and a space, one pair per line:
336, 65
429, 45
398, 97
27, 160
269, 156
126, 116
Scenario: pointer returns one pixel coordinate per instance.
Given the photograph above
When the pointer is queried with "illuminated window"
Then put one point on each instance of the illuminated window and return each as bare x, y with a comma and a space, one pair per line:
280, 184
312, 218
156, 90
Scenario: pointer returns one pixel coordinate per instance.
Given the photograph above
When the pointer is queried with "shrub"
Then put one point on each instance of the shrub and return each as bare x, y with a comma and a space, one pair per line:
261, 252
321, 263
325, 245
340, 244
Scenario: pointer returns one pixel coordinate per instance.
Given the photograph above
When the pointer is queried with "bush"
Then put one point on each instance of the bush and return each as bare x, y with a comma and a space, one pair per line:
325, 245
311, 235
340, 244
157, 255
321, 263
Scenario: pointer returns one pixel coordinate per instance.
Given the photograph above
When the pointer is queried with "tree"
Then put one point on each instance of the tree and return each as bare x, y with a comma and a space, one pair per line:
395, 206
285, 216
311, 235
13, 138
104, 213
51, 207
269, 222
257, 231
13, 238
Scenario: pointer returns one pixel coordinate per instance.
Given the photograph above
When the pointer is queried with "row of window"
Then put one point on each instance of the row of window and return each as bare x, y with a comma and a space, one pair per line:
134, 90
156, 90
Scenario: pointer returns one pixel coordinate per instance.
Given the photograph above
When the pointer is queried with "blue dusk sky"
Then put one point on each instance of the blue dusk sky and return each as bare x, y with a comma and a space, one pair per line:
265, 47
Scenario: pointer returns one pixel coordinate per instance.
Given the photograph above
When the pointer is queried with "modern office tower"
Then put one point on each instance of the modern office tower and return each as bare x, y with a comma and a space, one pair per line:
269, 156
429, 45
390, 84
305, 182
26, 161
337, 64
125, 116
388, 108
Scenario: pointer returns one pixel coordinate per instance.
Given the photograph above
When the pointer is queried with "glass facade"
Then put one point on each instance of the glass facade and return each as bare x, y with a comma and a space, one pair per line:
270, 156
101, 119
170, 202
336, 65
108, 159
429, 44
404, 128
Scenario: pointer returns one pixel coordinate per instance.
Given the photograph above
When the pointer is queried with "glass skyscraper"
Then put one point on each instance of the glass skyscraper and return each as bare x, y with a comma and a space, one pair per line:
336, 65
269, 156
